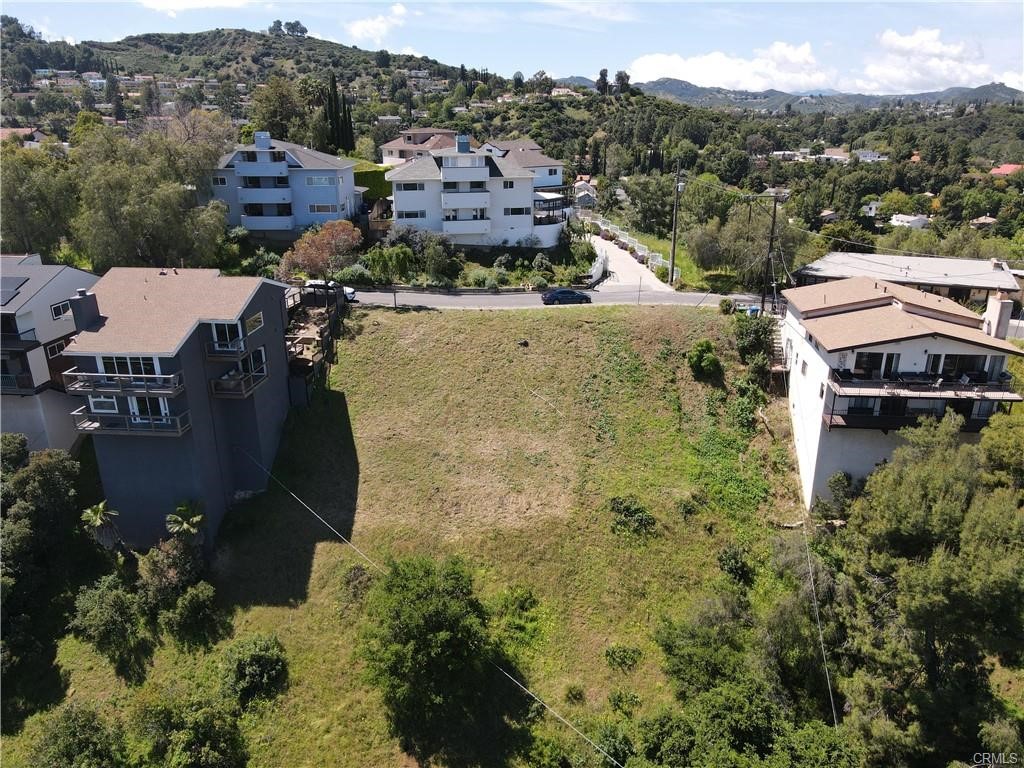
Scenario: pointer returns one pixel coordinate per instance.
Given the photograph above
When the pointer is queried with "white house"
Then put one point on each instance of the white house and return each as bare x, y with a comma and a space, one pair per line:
526, 153
871, 208
870, 156
474, 196
914, 221
36, 320
416, 142
584, 194
277, 189
866, 357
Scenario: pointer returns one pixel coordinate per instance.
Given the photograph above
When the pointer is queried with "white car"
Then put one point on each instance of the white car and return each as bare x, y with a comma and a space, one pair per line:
331, 286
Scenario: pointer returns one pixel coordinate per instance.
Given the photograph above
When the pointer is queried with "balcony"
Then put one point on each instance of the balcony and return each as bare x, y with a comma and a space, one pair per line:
19, 341
127, 424
449, 173
887, 422
466, 227
264, 195
238, 385
924, 386
226, 350
268, 223
266, 168
475, 198
158, 385
17, 384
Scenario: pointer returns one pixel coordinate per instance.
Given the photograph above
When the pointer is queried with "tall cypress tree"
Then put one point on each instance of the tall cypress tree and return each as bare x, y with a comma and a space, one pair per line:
333, 115
348, 137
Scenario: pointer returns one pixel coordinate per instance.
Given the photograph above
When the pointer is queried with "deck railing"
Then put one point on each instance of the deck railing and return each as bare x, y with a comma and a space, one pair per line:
129, 424
78, 382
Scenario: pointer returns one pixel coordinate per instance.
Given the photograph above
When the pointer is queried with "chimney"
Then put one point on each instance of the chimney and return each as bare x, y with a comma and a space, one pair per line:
462, 143
996, 320
85, 309
261, 139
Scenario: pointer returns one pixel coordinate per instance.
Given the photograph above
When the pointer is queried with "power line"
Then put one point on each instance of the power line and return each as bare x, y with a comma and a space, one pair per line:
381, 569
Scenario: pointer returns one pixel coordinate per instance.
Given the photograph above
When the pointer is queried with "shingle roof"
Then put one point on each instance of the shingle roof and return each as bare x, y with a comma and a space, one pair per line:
23, 277
309, 158
146, 313
919, 270
438, 141
844, 296
415, 169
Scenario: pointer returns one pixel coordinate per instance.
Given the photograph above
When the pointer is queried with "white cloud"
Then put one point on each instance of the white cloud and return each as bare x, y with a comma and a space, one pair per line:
319, 36
408, 50
781, 65
610, 12
173, 7
376, 28
922, 61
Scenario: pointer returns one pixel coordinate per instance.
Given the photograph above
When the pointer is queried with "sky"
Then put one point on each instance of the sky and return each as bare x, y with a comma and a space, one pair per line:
796, 47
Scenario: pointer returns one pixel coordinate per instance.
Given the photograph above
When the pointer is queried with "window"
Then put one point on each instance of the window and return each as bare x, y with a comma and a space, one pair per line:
841, 361
450, 186
256, 363
411, 186
322, 208
508, 184
280, 181
219, 181
148, 410
411, 215
477, 185
277, 157
59, 310
552, 171
52, 350
128, 366
253, 324
102, 404
321, 181
803, 368
517, 211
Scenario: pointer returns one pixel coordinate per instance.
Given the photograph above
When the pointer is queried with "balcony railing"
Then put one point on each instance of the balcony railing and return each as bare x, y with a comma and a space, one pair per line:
237, 384
924, 386
466, 226
306, 347
128, 424
16, 383
23, 340
266, 223
226, 350
852, 419
162, 384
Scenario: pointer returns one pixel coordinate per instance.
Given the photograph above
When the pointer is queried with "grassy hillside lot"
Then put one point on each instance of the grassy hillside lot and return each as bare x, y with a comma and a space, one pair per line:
440, 434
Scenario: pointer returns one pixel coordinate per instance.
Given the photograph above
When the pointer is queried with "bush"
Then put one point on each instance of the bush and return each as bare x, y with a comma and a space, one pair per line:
355, 274
759, 369
542, 263
630, 516
491, 284
357, 582
741, 411
106, 617
613, 739
254, 668
478, 277
206, 737
77, 737
583, 252
727, 306
539, 283
661, 272
574, 694
624, 702
501, 276
622, 657
193, 618
754, 334
13, 451
503, 262
734, 564
704, 364
166, 571
691, 503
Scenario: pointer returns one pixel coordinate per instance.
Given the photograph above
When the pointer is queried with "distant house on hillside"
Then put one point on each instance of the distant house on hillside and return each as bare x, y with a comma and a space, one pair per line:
416, 142
982, 222
1006, 169
871, 208
914, 221
870, 156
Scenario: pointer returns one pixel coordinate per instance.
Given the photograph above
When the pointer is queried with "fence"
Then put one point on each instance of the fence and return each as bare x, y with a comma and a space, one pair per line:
646, 255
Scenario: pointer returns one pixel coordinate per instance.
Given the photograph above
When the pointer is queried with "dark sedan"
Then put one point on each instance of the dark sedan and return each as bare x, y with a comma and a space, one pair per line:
564, 296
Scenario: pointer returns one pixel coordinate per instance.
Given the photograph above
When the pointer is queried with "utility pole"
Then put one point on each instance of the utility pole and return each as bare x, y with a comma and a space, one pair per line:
675, 214
768, 256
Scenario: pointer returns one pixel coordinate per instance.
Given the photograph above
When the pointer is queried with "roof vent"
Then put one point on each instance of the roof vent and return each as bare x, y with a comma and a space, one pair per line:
82, 291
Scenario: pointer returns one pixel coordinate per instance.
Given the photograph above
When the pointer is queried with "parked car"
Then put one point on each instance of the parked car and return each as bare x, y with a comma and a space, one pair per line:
350, 293
564, 296
331, 287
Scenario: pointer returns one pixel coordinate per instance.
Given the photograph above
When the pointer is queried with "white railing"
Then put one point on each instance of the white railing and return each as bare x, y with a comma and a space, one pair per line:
651, 258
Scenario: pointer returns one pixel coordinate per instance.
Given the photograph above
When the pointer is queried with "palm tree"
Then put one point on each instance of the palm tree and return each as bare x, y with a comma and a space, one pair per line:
185, 521
100, 522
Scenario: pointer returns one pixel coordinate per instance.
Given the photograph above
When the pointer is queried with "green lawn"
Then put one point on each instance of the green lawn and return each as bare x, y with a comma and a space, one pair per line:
441, 435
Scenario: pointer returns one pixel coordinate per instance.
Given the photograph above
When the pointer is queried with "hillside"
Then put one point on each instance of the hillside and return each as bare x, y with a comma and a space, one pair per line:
823, 101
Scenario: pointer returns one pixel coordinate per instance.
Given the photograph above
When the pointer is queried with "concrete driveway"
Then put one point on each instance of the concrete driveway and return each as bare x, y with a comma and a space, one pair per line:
625, 272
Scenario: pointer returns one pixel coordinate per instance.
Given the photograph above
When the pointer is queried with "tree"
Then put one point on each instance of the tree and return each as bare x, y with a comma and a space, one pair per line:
323, 251
277, 28
517, 81
76, 736
366, 149
848, 236
254, 668
166, 572
38, 193
602, 82
227, 99
426, 650
388, 264
622, 82
295, 28
149, 98
13, 452
194, 616
185, 521
275, 107
111, 89
205, 737
106, 616
382, 58
100, 520
347, 142
651, 199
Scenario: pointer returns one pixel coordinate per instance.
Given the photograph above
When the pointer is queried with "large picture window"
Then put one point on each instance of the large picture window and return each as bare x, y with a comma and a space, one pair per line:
129, 366
253, 324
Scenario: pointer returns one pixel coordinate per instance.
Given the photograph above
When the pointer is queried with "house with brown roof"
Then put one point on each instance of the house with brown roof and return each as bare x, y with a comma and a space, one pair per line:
1006, 169
416, 142
183, 380
865, 357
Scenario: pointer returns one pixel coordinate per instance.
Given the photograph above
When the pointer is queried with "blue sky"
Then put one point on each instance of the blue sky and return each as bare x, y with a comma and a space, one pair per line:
800, 46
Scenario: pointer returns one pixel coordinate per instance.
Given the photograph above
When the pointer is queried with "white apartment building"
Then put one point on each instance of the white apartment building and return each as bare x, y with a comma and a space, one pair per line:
866, 357
37, 325
416, 142
277, 189
474, 196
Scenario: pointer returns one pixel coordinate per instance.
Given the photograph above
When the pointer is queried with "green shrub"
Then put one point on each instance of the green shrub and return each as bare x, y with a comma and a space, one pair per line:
691, 503
622, 657
76, 736
193, 618
13, 451
734, 564
629, 516
254, 668
542, 263
624, 702
501, 276
491, 284
704, 364
759, 369
727, 306
574, 694
754, 334
539, 282
166, 571
107, 617
503, 262
355, 274
613, 739
515, 615
206, 737
478, 277
357, 582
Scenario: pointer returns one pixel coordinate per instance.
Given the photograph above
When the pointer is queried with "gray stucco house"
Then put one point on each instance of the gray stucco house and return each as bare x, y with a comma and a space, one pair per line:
183, 376
277, 189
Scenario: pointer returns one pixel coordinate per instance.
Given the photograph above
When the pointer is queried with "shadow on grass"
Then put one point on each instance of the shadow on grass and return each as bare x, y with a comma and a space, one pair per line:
264, 551
133, 665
